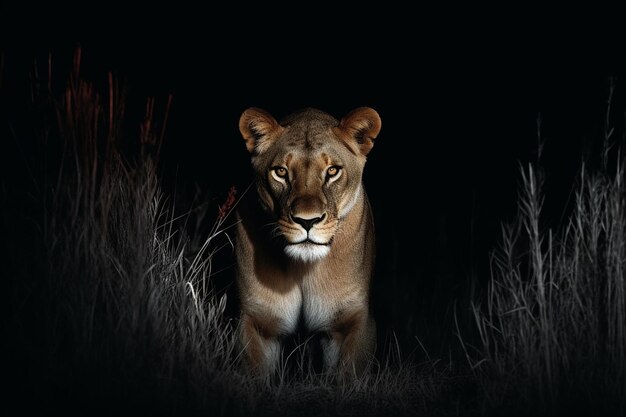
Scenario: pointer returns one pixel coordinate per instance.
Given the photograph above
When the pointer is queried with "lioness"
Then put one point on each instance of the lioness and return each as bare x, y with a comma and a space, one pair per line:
305, 238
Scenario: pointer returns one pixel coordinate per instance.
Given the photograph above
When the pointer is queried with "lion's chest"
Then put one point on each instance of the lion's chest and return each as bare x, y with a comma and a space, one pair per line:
318, 310
323, 300
314, 299
304, 303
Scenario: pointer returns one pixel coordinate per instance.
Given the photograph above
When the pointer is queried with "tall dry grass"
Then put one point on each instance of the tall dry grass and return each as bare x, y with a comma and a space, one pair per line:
553, 324
129, 320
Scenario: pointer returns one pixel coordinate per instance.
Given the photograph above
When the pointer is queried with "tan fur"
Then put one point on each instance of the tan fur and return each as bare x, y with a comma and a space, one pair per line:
308, 186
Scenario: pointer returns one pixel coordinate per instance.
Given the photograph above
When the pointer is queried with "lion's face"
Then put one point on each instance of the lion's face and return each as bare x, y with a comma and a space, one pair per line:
309, 170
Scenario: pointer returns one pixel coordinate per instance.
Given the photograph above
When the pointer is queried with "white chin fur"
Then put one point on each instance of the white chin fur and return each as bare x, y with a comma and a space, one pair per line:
307, 252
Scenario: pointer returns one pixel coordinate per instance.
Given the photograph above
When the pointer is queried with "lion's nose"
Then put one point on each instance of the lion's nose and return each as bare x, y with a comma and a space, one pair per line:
307, 223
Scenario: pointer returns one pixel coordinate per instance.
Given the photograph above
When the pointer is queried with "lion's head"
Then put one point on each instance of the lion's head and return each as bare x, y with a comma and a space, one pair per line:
309, 168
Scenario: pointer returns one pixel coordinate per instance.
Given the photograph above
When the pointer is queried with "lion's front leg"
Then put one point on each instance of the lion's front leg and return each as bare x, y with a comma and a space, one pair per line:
350, 343
260, 343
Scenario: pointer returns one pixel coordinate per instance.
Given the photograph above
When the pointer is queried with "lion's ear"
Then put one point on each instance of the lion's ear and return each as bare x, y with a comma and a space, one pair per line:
360, 126
259, 129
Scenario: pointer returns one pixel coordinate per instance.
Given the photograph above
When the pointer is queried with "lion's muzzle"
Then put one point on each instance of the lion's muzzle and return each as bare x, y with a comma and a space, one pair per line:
309, 237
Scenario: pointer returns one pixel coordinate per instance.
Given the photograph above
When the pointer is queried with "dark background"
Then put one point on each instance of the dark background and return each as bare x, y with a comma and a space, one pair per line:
459, 95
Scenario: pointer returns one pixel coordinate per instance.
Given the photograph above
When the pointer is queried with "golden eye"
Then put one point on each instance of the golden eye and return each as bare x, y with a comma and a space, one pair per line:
281, 171
332, 171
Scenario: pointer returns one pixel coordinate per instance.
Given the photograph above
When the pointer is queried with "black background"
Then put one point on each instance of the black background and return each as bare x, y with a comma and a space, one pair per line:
459, 93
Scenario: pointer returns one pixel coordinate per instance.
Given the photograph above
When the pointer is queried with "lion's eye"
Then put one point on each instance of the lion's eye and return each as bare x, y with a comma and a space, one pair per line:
332, 171
281, 172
